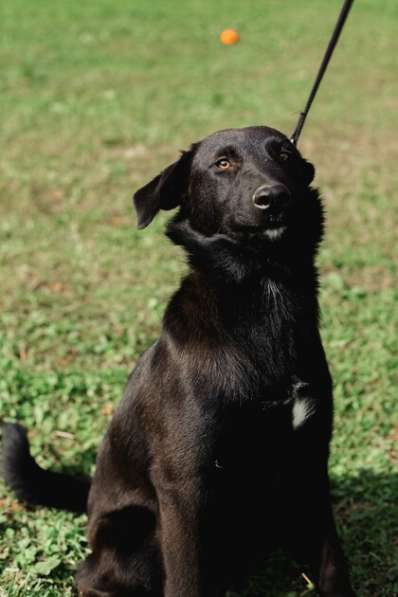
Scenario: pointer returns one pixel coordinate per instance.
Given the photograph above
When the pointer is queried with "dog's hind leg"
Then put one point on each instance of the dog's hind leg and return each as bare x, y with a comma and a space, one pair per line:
125, 559
109, 575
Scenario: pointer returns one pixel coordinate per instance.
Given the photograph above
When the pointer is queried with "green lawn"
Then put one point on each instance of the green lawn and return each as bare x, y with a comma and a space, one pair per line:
95, 98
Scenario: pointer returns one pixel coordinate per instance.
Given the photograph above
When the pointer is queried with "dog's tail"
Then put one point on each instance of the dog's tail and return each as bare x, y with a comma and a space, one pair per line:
35, 485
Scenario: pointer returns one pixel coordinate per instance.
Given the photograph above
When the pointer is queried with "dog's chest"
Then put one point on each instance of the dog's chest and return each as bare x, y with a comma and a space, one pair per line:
264, 434
270, 342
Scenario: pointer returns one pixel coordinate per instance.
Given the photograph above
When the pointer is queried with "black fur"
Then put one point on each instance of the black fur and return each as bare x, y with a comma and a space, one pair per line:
219, 448
33, 484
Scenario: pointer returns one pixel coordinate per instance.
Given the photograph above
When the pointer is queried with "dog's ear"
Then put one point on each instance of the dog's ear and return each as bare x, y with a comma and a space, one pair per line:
165, 191
308, 172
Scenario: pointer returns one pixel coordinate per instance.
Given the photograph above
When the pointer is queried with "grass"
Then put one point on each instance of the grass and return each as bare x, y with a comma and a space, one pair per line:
96, 98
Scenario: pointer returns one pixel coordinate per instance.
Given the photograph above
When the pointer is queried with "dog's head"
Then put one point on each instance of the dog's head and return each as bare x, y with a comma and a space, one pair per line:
236, 181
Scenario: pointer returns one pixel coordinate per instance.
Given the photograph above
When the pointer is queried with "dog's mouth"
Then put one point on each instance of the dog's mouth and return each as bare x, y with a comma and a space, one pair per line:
272, 227
275, 227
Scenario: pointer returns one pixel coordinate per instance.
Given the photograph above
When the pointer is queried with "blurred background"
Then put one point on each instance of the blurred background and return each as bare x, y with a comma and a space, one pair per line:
96, 98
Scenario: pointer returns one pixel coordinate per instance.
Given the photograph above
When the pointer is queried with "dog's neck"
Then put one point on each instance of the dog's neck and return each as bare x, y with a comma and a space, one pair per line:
228, 285
268, 323
241, 266
275, 287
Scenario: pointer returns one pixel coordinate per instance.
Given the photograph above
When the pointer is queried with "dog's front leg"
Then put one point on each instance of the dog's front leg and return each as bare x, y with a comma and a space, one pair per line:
312, 522
185, 572
328, 561
326, 557
315, 535
179, 540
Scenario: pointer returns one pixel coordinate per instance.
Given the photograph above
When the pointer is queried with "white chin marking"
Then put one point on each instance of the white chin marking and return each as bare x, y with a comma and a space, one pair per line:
303, 408
274, 233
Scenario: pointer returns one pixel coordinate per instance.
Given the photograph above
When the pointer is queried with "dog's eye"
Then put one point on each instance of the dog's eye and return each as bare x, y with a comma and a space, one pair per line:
284, 155
223, 164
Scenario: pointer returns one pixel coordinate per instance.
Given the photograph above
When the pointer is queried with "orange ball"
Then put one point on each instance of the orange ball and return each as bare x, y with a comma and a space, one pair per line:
229, 37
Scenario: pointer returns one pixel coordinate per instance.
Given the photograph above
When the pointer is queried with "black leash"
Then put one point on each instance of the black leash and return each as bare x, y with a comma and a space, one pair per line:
328, 54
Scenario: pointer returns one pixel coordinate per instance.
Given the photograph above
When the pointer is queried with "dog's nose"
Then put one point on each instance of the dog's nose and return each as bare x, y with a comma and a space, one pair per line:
270, 195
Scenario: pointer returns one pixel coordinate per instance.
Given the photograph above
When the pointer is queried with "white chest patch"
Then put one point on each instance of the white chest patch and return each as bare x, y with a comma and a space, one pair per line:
303, 408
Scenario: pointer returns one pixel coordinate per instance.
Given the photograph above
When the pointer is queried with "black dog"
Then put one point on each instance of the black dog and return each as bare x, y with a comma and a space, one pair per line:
219, 447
